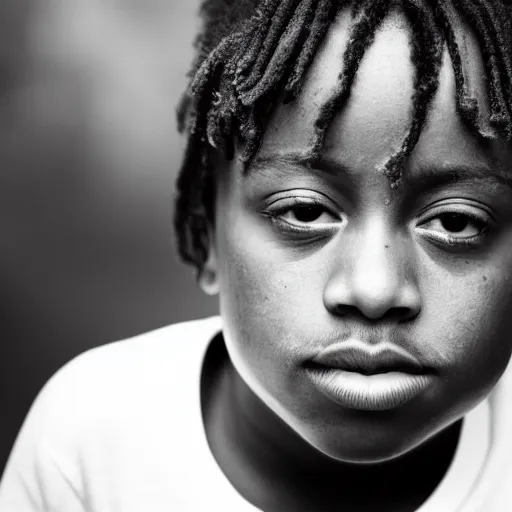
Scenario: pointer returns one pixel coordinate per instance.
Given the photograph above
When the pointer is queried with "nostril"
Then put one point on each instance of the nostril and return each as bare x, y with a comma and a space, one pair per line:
403, 314
399, 314
346, 310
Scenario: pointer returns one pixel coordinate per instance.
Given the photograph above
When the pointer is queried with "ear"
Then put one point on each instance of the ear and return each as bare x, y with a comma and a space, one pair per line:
207, 276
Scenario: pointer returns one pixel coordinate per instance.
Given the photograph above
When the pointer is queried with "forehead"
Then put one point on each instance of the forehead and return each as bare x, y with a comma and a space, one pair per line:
375, 119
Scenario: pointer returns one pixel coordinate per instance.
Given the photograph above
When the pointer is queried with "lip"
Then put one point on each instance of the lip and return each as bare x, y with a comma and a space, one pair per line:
366, 377
357, 356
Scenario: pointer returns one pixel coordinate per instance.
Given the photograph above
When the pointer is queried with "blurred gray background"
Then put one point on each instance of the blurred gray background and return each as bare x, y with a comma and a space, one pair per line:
88, 153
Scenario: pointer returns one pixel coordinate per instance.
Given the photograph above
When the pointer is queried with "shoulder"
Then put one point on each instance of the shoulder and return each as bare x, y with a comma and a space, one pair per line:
148, 352
113, 382
133, 400
185, 338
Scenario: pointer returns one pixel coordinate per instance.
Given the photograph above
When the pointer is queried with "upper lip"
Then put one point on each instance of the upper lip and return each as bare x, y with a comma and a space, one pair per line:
357, 356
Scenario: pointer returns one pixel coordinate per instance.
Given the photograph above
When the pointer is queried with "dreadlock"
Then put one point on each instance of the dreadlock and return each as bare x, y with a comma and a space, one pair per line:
427, 51
253, 54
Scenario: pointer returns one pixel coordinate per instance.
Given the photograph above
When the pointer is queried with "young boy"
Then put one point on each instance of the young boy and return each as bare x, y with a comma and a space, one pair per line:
346, 191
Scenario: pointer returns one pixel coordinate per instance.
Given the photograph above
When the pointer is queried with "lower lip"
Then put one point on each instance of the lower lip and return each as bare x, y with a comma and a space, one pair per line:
379, 392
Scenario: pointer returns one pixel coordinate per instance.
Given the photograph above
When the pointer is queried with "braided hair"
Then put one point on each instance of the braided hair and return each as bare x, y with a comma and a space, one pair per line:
252, 54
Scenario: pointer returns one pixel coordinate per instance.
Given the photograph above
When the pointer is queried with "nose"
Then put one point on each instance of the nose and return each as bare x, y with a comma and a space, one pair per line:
375, 276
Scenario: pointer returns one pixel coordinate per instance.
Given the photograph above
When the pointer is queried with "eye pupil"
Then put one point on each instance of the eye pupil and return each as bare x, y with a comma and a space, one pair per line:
454, 222
308, 213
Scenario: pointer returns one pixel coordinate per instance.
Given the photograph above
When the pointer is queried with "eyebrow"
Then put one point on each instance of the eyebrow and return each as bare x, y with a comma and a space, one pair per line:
429, 178
305, 161
422, 178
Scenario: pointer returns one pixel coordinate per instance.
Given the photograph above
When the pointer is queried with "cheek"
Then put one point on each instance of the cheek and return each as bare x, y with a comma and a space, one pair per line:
252, 301
254, 297
267, 301
470, 321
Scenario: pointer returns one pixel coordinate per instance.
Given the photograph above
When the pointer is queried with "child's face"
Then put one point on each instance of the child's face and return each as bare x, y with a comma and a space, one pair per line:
426, 268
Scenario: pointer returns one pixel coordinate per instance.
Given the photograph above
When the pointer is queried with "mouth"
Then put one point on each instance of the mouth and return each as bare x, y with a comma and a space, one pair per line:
367, 377
359, 357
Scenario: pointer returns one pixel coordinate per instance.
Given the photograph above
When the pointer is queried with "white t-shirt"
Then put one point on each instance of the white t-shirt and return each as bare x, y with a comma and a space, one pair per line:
119, 429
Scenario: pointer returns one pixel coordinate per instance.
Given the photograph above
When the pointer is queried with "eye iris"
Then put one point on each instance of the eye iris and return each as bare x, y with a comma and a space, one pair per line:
308, 213
454, 222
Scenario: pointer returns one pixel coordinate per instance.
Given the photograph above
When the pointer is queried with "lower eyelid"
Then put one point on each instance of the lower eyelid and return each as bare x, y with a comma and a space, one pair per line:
450, 241
306, 232
321, 226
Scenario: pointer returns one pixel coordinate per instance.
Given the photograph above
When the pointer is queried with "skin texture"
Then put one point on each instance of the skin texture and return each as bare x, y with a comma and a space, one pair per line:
376, 264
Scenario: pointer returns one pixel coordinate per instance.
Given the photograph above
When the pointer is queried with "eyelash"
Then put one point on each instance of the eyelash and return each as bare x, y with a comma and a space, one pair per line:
309, 232
456, 242
275, 216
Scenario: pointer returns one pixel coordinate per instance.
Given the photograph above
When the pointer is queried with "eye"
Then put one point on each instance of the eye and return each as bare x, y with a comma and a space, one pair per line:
457, 227
456, 224
307, 214
304, 216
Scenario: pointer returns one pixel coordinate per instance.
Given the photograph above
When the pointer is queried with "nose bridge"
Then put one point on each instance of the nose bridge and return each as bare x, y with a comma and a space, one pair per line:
377, 266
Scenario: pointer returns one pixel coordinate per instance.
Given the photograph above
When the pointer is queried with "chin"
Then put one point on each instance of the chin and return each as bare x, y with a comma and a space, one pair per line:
365, 446
365, 454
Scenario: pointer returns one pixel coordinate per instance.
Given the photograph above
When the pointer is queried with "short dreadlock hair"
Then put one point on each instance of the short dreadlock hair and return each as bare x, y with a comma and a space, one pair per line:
253, 54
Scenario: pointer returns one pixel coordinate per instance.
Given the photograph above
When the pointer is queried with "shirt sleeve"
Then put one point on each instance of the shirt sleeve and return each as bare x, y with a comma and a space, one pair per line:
40, 475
